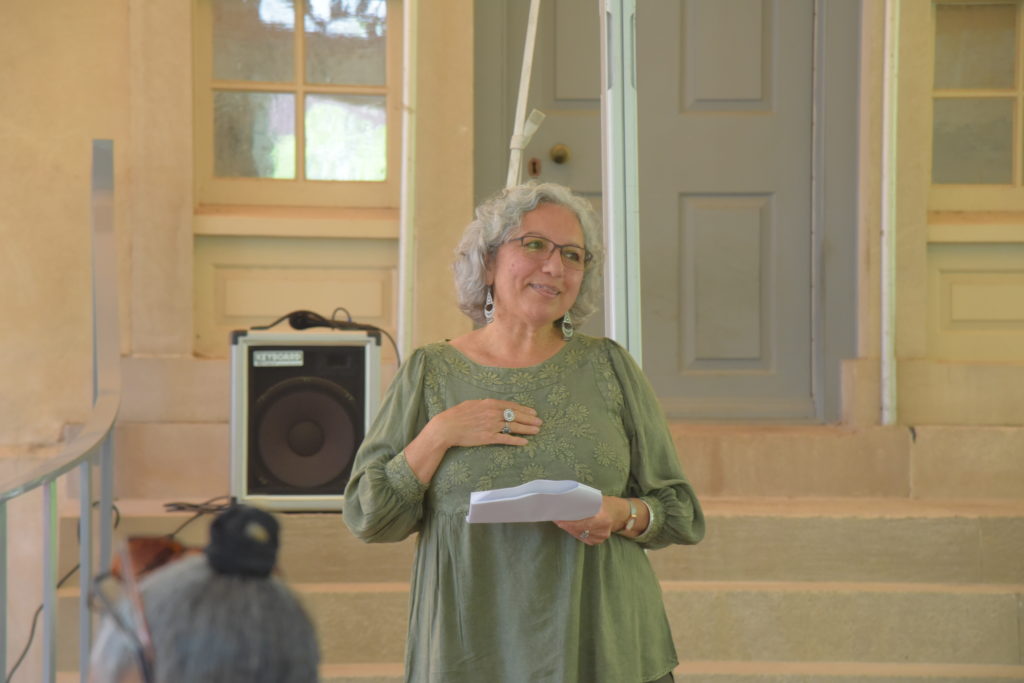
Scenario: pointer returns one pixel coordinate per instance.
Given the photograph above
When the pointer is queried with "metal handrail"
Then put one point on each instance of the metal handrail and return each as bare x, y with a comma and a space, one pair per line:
92, 446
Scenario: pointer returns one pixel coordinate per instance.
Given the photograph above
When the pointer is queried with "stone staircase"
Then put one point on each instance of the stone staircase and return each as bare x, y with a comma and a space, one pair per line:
834, 554
795, 590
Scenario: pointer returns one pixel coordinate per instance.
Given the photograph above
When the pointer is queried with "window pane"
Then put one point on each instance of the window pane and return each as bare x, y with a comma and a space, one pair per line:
253, 135
975, 46
973, 141
253, 41
346, 137
345, 41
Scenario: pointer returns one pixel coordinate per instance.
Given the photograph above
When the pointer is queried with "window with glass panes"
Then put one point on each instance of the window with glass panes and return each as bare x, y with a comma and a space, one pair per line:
297, 102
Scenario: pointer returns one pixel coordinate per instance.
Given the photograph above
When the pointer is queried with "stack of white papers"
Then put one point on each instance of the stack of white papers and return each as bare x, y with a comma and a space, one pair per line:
540, 500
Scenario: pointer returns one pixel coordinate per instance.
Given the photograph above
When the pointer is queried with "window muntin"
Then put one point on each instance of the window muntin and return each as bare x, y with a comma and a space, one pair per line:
306, 117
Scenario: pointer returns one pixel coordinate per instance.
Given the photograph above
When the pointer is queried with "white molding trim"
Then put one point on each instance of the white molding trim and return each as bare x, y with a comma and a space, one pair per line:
888, 222
407, 201
620, 190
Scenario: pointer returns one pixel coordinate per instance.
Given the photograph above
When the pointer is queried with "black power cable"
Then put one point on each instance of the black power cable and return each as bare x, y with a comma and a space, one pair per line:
200, 509
302, 319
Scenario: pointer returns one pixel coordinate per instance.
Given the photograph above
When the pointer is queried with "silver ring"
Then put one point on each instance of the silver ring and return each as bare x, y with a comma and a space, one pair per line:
509, 415
585, 535
507, 428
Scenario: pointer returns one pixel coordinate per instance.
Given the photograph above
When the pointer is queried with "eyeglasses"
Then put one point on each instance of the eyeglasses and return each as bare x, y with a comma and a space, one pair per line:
540, 248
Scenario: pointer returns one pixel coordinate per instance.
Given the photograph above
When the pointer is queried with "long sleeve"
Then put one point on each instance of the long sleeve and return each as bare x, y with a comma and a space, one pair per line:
383, 498
656, 475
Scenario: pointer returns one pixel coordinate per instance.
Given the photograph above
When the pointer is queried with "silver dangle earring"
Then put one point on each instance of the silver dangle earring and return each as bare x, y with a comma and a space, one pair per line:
489, 306
567, 328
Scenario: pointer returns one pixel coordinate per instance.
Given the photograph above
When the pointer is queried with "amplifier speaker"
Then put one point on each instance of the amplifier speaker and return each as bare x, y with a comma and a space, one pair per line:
301, 403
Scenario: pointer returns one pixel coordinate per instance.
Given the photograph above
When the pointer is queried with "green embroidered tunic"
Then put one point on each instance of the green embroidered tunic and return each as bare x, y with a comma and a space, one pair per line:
527, 602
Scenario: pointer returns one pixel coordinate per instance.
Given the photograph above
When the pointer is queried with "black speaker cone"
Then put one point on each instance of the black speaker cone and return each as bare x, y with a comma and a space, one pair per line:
306, 432
306, 438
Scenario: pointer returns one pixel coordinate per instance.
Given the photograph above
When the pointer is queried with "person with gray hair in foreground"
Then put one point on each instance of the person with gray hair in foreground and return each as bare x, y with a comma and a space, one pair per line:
211, 617
525, 397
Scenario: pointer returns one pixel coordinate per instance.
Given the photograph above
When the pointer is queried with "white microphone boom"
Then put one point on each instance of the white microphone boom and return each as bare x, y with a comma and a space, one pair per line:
523, 129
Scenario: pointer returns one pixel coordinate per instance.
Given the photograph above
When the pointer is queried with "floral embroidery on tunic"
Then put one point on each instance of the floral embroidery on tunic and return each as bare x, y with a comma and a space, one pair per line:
455, 474
405, 482
570, 445
558, 394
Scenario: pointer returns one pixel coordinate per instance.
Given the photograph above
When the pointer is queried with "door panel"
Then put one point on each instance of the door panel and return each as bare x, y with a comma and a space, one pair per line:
725, 205
720, 260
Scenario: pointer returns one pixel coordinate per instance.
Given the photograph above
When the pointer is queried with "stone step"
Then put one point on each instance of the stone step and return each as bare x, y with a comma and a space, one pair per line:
846, 621
886, 540
924, 462
734, 672
363, 673
329, 673
882, 540
719, 621
843, 672
315, 547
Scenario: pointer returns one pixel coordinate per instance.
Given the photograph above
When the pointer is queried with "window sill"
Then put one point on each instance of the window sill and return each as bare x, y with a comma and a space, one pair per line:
246, 221
976, 227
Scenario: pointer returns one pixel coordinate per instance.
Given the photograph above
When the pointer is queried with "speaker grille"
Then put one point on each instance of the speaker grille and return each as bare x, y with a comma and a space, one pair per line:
306, 424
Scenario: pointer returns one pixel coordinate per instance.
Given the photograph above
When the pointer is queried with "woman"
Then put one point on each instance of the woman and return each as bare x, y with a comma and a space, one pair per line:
213, 617
523, 398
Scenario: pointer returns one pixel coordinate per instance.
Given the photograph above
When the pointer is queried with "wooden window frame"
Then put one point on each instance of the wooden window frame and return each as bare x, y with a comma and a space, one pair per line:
946, 197
212, 191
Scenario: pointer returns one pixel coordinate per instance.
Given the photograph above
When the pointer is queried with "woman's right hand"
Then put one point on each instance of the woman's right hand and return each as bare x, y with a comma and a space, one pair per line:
470, 423
482, 422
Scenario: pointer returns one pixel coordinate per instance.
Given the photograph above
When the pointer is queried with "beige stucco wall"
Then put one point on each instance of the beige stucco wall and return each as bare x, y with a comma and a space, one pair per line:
444, 163
159, 194
65, 79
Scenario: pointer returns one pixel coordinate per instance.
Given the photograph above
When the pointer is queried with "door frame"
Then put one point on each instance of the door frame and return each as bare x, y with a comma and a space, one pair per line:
835, 209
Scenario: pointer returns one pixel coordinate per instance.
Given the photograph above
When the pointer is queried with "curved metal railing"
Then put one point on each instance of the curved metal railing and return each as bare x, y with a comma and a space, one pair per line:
91, 447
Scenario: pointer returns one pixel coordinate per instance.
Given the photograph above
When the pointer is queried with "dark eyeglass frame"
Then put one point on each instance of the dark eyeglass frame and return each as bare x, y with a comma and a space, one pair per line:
138, 633
568, 263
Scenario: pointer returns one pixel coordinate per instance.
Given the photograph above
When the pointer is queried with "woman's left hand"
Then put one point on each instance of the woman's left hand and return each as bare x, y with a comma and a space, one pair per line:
597, 529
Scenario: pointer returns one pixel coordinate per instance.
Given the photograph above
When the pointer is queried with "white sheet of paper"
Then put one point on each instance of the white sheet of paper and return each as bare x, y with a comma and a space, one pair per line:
540, 500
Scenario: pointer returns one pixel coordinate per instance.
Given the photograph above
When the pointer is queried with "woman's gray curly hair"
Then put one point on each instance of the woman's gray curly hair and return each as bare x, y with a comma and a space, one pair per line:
500, 216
